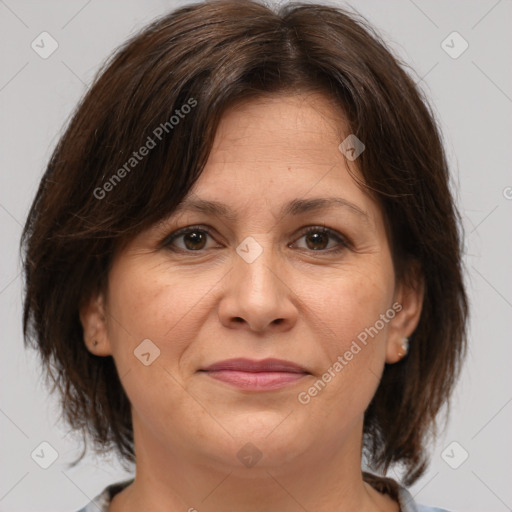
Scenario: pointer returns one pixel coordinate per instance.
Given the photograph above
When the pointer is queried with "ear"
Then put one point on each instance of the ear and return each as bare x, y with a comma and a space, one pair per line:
94, 323
408, 302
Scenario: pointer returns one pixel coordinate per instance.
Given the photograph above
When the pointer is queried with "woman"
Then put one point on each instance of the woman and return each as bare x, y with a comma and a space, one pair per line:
243, 265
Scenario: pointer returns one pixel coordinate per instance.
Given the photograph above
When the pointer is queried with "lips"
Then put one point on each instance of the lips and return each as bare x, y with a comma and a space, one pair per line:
251, 375
253, 366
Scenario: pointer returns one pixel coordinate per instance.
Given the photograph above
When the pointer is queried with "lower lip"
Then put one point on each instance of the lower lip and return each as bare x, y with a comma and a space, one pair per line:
256, 381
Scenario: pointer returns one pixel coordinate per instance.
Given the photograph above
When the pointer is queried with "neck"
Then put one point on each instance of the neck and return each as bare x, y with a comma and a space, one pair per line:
169, 479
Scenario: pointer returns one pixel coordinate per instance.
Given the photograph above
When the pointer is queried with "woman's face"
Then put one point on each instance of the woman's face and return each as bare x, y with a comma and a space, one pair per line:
249, 282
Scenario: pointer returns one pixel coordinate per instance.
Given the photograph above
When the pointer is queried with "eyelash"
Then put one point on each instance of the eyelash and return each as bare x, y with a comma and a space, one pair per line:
342, 242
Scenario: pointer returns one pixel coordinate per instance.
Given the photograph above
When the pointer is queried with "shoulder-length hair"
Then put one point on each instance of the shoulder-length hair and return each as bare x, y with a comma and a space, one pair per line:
166, 90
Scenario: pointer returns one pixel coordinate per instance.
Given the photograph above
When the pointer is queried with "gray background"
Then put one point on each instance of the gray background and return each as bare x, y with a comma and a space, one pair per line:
472, 95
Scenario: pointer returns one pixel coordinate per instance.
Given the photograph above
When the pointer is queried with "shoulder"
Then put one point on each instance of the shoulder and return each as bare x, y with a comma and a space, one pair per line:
423, 508
103, 500
407, 503
399, 493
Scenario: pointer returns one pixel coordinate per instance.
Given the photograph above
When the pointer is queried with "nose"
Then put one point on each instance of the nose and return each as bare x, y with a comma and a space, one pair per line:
258, 296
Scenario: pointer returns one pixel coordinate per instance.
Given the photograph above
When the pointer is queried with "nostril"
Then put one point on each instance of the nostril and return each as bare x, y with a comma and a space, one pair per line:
278, 321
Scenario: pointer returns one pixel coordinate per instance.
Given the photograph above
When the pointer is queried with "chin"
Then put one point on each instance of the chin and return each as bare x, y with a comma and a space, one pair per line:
264, 442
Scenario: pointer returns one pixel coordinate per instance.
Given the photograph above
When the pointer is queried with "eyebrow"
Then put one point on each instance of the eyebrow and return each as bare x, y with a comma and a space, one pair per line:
294, 208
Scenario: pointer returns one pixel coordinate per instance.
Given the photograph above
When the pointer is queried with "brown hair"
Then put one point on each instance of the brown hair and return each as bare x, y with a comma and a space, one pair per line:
208, 56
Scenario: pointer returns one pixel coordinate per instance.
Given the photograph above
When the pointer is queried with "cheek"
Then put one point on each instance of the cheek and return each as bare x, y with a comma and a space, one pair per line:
140, 307
154, 301
151, 302
350, 310
354, 301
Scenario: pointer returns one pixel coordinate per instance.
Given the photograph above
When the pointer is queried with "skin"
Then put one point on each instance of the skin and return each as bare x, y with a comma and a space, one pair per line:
293, 302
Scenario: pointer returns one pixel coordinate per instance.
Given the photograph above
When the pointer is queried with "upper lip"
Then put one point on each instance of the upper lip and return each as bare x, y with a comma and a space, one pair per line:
251, 365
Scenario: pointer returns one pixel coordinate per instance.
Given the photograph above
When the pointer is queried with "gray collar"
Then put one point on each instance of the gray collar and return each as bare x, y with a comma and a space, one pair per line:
381, 484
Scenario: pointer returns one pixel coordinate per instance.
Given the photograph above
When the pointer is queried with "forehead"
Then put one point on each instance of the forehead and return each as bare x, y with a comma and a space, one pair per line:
298, 128
274, 150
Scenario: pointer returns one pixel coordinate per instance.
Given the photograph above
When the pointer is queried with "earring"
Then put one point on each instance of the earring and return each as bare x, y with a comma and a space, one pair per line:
405, 347
95, 343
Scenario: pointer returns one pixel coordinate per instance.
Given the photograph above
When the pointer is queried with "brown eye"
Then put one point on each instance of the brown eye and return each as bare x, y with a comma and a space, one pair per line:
321, 239
194, 240
317, 241
189, 239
